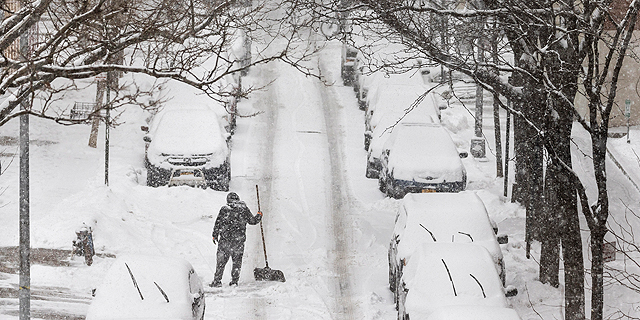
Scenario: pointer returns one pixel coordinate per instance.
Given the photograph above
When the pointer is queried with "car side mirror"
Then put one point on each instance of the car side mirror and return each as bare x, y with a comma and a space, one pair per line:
463, 154
442, 106
146, 138
510, 291
503, 239
144, 129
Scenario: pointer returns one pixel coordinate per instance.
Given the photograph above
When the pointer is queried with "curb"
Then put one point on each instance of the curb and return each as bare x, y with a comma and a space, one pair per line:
615, 161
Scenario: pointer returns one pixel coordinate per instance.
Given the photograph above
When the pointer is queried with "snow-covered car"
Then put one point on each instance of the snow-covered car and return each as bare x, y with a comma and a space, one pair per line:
441, 218
386, 97
418, 158
190, 147
398, 102
414, 113
474, 313
349, 65
448, 274
149, 287
364, 83
370, 84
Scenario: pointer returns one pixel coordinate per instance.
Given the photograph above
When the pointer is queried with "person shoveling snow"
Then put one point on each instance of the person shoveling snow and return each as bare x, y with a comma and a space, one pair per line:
229, 232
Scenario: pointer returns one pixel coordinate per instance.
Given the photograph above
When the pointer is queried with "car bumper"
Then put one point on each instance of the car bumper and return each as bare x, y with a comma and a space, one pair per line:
421, 187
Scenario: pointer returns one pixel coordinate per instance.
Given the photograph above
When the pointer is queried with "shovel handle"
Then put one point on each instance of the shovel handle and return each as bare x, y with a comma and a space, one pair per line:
258, 197
264, 246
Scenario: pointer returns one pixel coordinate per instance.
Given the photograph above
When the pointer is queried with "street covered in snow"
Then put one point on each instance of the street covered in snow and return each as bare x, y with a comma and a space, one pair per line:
326, 225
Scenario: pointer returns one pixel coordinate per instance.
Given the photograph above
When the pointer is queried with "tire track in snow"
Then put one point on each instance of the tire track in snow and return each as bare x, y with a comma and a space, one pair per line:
339, 206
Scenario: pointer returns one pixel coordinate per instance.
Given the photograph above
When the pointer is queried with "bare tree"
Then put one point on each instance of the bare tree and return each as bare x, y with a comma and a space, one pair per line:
560, 50
188, 41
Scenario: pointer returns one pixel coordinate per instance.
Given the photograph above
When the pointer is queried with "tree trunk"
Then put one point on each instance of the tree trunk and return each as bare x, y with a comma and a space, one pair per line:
568, 223
498, 138
597, 270
549, 235
598, 226
569, 217
532, 156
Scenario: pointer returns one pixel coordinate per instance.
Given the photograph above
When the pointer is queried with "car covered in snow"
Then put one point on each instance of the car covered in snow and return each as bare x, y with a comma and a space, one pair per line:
395, 98
370, 84
188, 147
420, 158
400, 103
441, 218
149, 287
414, 113
474, 313
349, 65
448, 274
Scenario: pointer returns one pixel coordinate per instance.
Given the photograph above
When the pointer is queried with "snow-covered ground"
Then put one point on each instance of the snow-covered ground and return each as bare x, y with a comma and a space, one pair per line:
327, 227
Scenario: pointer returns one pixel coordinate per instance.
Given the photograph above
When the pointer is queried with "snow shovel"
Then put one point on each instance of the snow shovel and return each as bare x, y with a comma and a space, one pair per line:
266, 273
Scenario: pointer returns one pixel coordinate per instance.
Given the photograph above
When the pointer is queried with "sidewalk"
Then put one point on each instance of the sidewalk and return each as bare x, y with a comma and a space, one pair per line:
626, 156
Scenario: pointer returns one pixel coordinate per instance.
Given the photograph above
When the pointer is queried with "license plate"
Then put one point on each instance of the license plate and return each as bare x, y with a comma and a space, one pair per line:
428, 190
186, 173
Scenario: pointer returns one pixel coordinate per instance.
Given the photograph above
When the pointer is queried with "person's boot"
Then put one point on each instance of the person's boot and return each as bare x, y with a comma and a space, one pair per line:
233, 283
216, 284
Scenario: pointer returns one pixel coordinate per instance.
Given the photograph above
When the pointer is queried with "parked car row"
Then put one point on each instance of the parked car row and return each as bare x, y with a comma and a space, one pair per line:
408, 150
445, 260
444, 252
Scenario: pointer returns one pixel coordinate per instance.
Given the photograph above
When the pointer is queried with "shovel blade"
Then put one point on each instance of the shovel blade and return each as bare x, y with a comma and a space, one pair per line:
268, 274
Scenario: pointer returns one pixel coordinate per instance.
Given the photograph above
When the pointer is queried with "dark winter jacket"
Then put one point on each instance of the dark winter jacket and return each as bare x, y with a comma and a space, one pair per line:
232, 220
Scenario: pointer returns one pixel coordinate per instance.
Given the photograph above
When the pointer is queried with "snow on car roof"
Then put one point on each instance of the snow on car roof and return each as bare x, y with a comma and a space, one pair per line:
382, 82
391, 95
423, 151
424, 113
404, 104
450, 217
188, 132
444, 274
118, 298
474, 313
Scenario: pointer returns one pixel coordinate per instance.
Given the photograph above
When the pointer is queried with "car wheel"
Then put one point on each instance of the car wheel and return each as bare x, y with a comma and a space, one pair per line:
388, 187
371, 172
220, 180
458, 186
224, 185
392, 280
362, 105
393, 190
382, 185
153, 176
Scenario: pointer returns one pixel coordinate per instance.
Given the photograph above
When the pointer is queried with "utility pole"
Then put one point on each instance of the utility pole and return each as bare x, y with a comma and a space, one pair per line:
106, 130
627, 114
506, 152
477, 142
496, 104
24, 282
